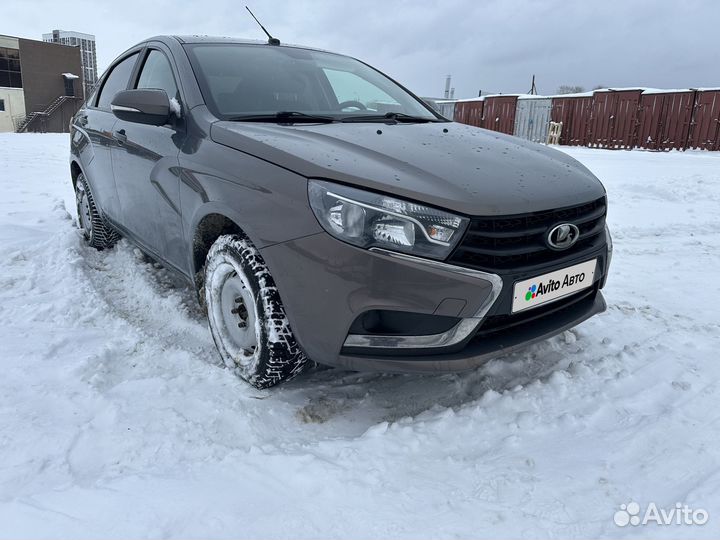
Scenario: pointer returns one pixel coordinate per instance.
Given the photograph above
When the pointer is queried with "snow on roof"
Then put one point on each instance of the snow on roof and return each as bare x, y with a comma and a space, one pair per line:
624, 89
70, 76
574, 94
666, 91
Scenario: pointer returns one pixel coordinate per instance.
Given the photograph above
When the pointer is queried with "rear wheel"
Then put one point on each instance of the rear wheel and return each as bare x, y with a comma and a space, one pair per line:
247, 318
96, 231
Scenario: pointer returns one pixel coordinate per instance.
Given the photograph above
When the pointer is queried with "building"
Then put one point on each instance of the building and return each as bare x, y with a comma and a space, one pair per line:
40, 87
86, 42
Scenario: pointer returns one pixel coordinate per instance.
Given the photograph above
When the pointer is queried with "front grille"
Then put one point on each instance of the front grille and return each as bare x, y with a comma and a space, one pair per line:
514, 242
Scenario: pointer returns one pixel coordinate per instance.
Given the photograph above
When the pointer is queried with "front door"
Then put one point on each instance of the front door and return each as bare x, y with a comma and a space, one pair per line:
145, 165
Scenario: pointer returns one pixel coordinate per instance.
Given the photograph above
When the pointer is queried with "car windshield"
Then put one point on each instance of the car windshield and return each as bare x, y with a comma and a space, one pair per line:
259, 82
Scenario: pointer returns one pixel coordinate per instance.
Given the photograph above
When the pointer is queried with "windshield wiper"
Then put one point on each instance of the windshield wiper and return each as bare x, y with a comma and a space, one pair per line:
283, 117
396, 116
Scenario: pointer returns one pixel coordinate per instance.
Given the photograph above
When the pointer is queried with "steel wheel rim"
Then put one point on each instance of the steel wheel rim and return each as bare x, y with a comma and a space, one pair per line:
238, 316
84, 213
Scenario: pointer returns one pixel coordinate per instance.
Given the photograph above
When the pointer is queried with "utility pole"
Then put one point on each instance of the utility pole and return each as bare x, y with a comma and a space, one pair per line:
533, 89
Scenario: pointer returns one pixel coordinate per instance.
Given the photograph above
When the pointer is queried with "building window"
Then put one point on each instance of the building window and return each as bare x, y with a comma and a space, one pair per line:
2, 104
10, 75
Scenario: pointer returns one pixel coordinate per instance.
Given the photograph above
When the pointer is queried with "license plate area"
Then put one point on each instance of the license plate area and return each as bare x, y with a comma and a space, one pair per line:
546, 288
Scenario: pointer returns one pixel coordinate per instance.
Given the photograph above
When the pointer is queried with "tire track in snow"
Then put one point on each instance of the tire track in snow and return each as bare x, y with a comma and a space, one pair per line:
151, 299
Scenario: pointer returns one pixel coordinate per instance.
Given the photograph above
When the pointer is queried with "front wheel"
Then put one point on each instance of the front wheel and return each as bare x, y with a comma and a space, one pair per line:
96, 231
247, 318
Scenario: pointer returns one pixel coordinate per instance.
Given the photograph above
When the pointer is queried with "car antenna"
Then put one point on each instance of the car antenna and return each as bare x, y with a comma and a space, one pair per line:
271, 40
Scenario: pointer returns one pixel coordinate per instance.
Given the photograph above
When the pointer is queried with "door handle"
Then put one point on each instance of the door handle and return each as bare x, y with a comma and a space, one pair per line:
120, 136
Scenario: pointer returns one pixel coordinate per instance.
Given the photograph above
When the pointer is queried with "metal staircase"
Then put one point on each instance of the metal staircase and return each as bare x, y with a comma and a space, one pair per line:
23, 123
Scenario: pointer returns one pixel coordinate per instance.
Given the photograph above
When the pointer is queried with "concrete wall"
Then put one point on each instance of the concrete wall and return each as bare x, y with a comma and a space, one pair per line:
14, 106
42, 67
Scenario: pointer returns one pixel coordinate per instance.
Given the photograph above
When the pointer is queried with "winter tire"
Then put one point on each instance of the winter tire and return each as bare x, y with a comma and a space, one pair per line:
96, 231
247, 318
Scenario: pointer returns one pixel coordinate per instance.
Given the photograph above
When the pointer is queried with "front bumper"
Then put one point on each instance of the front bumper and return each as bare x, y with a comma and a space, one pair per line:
325, 285
481, 349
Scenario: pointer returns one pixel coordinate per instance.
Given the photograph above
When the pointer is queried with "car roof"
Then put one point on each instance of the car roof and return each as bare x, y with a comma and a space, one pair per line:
194, 39
218, 39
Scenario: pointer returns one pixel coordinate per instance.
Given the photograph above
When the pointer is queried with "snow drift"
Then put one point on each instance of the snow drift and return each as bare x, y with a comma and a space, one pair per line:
116, 419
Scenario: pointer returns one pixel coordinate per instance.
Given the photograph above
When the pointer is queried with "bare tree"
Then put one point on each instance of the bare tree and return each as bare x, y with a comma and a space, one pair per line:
569, 89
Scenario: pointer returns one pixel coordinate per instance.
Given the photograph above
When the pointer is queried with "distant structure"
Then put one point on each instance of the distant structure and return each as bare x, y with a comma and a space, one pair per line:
446, 94
533, 88
88, 55
40, 87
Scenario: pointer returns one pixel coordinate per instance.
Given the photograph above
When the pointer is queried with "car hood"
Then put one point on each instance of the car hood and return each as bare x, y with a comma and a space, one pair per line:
461, 168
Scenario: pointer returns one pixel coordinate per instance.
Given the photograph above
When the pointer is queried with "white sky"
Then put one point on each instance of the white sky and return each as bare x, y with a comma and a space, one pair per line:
493, 45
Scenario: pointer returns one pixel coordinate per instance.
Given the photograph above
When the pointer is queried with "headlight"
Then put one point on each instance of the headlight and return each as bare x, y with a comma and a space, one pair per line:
368, 220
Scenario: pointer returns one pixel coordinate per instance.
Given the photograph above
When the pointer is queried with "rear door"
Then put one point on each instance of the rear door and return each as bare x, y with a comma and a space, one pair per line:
145, 165
97, 121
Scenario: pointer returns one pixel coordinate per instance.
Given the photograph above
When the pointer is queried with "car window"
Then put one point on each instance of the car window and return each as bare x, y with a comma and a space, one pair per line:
239, 79
349, 87
117, 80
157, 73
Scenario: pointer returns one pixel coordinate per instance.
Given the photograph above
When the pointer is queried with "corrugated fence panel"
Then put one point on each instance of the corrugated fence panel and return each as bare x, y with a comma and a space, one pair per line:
601, 121
532, 117
447, 110
460, 113
704, 133
499, 114
574, 113
664, 120
677, 120
469, 112
649, 120
625, 128
561, 112
476, 113
614, 119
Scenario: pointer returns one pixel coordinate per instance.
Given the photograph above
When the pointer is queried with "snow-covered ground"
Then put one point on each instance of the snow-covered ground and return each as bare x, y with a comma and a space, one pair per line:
116, 420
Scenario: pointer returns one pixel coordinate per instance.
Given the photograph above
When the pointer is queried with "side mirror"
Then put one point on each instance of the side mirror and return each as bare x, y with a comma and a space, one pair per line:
143, 106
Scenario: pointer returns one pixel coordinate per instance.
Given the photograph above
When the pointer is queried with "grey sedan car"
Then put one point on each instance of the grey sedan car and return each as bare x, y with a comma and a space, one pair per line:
325, 213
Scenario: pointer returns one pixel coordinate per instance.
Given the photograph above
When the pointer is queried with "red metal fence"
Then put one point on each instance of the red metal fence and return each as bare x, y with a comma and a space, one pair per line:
499, 114
616, 118
469, 112
574, 114
664, 120
613, 119
706, 121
